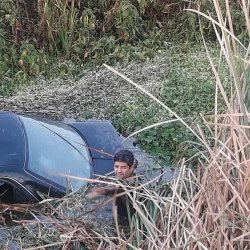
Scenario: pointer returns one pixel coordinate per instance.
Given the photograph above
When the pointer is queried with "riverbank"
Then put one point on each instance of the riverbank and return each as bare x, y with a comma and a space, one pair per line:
178, 75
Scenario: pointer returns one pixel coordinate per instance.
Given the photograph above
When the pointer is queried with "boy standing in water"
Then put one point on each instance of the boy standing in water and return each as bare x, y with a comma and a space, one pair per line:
124, 167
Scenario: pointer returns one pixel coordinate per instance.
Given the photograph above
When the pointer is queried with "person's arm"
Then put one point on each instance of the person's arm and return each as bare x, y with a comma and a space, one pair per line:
98, 192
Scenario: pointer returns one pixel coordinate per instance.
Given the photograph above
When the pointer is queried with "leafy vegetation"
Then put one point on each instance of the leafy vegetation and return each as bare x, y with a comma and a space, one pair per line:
35, 34
188, 89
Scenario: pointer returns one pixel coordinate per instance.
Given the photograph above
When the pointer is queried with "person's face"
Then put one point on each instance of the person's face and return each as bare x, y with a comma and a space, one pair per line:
122, 170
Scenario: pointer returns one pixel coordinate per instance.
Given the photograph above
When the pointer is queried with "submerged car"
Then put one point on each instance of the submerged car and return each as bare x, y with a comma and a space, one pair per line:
43, 158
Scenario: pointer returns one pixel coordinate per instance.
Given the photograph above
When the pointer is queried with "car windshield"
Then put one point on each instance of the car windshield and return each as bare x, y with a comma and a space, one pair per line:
55, 151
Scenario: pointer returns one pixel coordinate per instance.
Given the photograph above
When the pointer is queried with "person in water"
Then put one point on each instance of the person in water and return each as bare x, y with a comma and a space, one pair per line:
124, 169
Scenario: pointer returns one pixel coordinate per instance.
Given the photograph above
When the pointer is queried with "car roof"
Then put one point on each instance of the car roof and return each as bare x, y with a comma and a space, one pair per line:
12, 140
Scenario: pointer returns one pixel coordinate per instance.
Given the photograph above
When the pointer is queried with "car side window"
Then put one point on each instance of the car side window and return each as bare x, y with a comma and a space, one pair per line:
56, 150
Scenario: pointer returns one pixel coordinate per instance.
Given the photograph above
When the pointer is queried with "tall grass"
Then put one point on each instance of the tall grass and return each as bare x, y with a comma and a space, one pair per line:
207, 207
57, 23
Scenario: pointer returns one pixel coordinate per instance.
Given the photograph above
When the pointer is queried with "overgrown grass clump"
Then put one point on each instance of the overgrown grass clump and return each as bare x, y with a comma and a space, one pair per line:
35, 35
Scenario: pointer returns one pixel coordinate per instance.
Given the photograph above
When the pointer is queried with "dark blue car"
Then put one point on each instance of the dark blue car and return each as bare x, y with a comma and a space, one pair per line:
39, 156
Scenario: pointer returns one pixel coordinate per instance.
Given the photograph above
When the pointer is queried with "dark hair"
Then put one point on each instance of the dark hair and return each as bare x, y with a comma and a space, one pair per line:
125, 155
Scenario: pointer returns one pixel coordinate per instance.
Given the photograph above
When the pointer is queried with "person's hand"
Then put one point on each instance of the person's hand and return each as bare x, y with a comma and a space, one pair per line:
95, 193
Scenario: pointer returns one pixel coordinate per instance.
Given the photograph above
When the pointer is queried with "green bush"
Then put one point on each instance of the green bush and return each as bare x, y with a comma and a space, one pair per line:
95, 32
